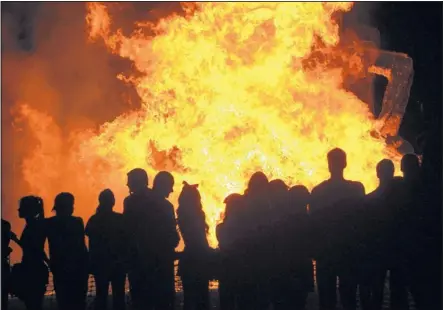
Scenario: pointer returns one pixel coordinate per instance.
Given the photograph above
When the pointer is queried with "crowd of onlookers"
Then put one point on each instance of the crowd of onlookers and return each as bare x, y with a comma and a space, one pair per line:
268, 240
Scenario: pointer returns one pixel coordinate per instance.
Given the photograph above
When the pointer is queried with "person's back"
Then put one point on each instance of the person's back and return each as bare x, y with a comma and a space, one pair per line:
107, 240
332, 202
255, 233
230, 263
373, 237
432, 228
166, 232
6, 238
195, 261
153, 237
142, 216
140, 220
6, 250
330, 193
166, 228
333, 210
293, 264
68, 253
32, 241
30, 277
108, 252
407, 242
191, 221
67, 249
298, 226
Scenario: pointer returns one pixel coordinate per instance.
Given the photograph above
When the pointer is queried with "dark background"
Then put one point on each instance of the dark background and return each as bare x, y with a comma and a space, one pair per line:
415, 28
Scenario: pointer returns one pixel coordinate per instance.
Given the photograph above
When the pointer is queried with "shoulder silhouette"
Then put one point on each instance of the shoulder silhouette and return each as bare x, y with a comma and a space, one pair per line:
195, 263
30, 277
108, 252
68, 253
334, 207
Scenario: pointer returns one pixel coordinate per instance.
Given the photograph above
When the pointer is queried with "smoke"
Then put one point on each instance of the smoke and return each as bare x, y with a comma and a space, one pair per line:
361, 21
48, 65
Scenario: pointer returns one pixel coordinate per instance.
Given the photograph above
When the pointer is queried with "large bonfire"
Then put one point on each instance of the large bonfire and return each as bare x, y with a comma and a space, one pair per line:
226, 92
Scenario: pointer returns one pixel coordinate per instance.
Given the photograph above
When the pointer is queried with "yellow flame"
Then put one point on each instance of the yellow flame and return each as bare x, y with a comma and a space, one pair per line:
225, 94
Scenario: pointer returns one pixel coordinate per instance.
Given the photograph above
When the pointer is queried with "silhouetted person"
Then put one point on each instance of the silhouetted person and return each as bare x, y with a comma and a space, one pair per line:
227, 236
108, 252
153, 237
331, 201
406, 261
256, 246
194, 260
6, 268
431, 175
292, 272
135, 208
30, 277
373, 258
68, 254
298, 246
279, 272
165, 278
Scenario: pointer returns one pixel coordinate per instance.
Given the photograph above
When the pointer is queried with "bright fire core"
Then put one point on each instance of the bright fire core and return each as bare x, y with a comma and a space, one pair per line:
224, 94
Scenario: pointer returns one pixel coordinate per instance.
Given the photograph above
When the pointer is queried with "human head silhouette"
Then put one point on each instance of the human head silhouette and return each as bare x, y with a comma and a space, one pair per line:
189, 195
385, 170
64, 204
137, 180
410, 166
106, 199
299, 198
31, 207
163, 184
336, 162
233, 205
190, 205
257, 183
278, 189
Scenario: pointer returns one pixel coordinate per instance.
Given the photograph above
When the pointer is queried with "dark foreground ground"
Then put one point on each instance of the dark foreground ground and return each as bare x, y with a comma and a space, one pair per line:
312, 303
50, 303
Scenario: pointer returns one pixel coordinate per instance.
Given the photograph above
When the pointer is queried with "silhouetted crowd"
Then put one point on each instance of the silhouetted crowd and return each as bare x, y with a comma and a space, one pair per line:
268, 240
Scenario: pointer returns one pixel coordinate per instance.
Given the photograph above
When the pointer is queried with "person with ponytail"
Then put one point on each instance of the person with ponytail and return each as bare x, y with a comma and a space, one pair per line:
193, 265
68, 254
30, 277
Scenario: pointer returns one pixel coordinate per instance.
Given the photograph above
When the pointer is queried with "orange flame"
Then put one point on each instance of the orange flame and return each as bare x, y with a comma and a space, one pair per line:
224, 94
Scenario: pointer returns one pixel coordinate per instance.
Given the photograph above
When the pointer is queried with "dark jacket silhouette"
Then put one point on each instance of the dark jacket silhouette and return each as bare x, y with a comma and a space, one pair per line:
30, 277
197, 253
108, 252
68, 254
297, 231
407, 240
165, 282
135, 212
6, 268
280, 277
153, 237
332, 208
230, 267
373, 224
431, 228
256, 245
